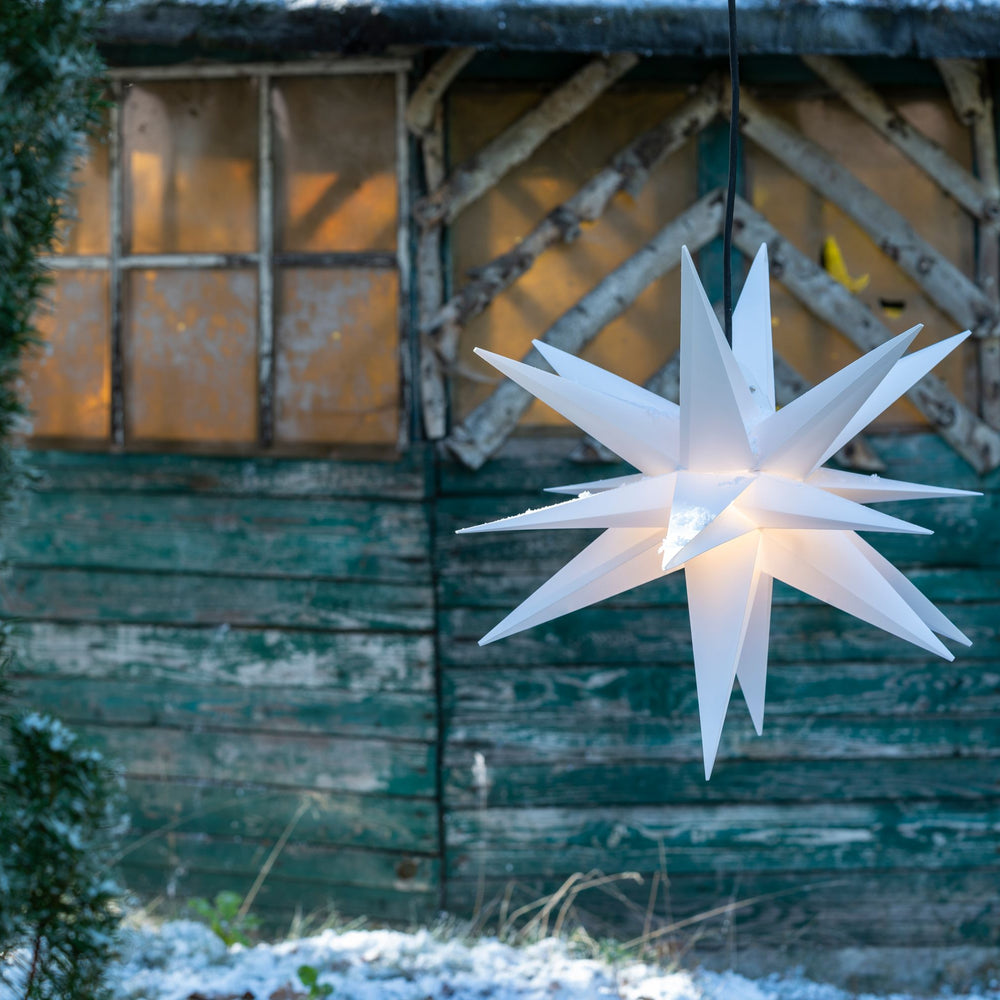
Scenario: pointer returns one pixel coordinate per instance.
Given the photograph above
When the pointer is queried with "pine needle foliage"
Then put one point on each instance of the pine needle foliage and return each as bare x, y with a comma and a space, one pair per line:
50, 97
60, 816
62, 823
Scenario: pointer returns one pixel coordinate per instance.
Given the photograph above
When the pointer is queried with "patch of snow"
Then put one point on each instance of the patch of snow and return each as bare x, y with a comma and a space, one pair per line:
183, 957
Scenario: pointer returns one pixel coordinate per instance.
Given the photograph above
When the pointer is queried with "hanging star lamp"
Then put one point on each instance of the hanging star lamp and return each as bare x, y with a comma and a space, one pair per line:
729, 488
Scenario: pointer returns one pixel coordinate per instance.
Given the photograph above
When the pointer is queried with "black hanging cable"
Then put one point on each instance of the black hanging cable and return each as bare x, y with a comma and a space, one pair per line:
734, 131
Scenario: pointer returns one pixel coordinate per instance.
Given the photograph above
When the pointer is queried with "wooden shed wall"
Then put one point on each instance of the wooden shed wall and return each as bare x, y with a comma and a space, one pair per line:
253, 640
266, 641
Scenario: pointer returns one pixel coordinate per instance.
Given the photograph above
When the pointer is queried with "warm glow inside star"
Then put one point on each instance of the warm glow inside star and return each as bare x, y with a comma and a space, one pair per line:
733, 491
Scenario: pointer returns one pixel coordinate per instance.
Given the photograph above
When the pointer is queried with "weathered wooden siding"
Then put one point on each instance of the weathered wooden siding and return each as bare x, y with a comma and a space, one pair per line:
250, 638
249, 635
867, 814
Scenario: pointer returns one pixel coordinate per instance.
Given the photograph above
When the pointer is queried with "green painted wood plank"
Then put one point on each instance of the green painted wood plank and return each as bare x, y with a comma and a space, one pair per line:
523, 465
241, 860
497, 572
258, 658
558, 738
925, 686
153, 598
807, 633
366, 715
341, 539
528, 465
966, 533
407, 478
280, 901
157, 808
721, 838
326, 763
577, 781
791, 913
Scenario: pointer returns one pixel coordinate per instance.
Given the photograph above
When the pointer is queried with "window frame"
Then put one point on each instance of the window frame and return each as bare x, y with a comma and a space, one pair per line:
265, 260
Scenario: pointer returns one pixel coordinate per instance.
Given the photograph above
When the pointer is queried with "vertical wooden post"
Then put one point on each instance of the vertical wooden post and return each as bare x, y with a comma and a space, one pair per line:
430, 287
265, 259
116, 221
408, 407
970, 89
425, 119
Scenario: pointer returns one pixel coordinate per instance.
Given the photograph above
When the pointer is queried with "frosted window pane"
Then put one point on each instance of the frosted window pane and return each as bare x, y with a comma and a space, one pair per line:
337, 363
191, 166
191, 356
640, 341
66, 382
335, 144
87, 231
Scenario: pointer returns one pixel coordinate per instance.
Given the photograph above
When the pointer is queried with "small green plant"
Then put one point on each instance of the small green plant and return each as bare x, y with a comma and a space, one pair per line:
309, 977
224, 915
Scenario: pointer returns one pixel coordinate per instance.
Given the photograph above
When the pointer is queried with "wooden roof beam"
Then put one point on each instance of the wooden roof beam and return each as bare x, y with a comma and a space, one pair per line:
426, 98
943, 282
490, 424
516, 143
968, 85
971, 193
974, 440
627, 171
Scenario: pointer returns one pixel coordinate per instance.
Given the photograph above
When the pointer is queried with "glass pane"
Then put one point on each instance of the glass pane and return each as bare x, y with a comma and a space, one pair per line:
87, 230
642, 339
66, 382
191, 356
191, 166
337, 366
335, 146
809, 222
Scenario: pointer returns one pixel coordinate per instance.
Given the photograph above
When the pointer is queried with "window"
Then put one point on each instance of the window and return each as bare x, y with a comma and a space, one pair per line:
233, 280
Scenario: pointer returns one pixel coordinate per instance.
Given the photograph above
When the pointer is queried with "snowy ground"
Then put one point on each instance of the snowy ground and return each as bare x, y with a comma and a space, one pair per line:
182, 959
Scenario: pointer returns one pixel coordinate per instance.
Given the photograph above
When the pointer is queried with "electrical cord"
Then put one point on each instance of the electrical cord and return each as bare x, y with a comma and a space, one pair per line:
734, 131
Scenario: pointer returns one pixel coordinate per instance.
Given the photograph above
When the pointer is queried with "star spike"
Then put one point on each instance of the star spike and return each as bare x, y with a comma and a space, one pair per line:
903, 376
638, 505
722, 587
632, 432
794, 440
752, 346
616, 561
584, 373
715, 401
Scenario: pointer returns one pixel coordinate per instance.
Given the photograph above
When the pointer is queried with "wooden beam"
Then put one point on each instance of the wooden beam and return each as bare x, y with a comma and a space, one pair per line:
627, 171
974, 440
424, 118
430, 290
944, 283
489, 425
967, 190
421, 109
968, 87
515, 144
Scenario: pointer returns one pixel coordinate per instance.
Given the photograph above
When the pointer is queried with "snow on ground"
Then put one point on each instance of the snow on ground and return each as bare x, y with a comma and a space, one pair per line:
182, 957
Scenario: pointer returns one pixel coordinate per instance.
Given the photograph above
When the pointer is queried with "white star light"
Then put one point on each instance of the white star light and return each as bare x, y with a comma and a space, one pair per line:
732, 491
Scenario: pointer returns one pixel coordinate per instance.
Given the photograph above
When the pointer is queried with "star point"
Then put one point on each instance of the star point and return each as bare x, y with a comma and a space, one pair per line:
733, 491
